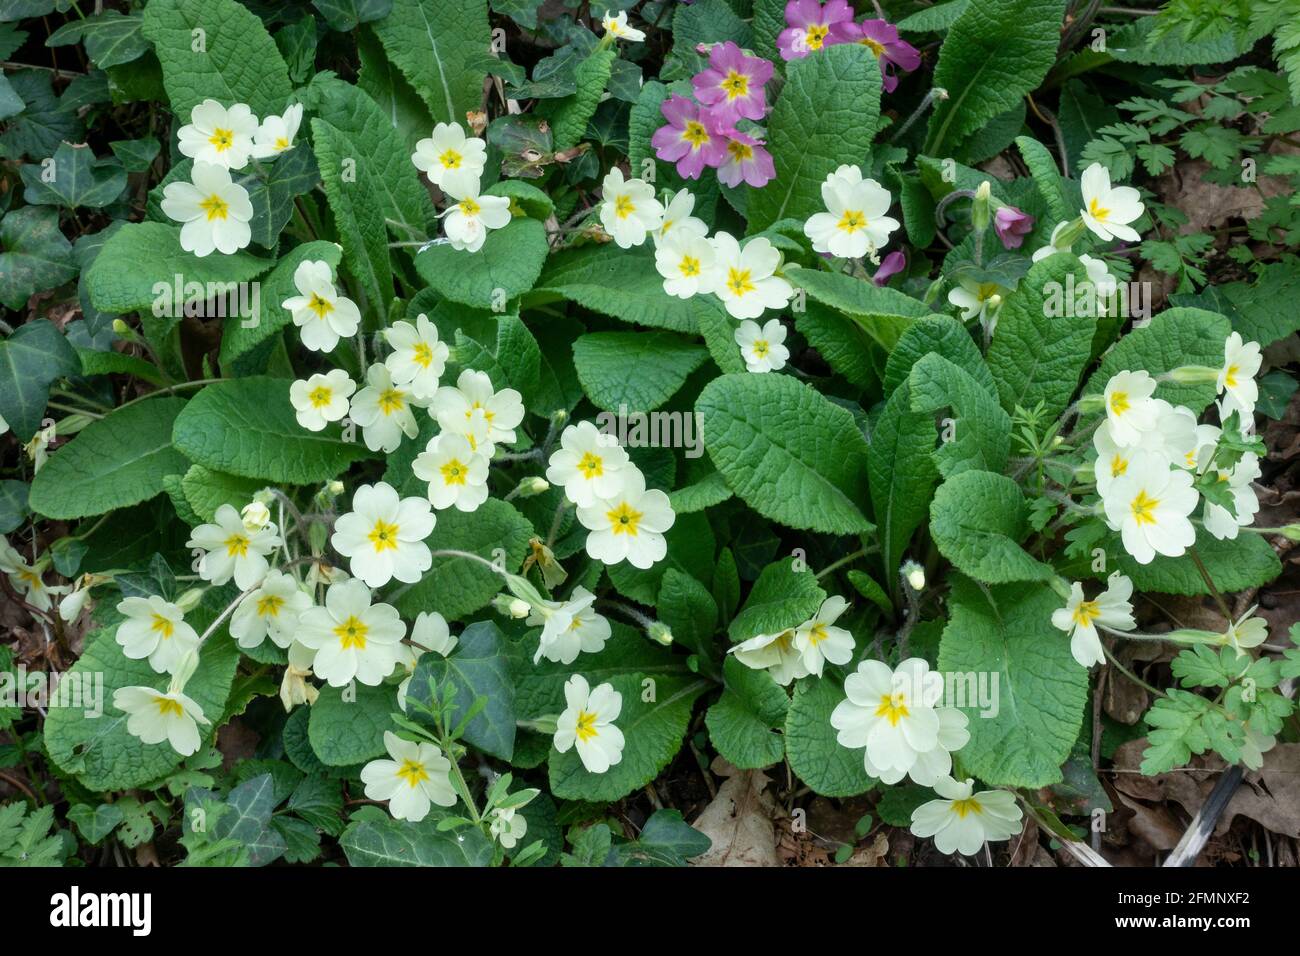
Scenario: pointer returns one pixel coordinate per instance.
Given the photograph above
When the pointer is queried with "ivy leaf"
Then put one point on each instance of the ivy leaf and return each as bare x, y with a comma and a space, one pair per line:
74, 179
381, 841
31, 359
476, 668
111, 38
34, 255
45, 121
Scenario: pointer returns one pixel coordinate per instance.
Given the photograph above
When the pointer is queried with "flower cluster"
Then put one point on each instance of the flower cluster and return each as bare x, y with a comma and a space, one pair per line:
812, 26
214, 209
799, 651
454, 163
704, 131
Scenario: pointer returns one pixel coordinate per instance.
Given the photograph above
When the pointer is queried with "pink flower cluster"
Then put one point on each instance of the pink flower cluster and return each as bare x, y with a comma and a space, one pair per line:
812, 26
702, 131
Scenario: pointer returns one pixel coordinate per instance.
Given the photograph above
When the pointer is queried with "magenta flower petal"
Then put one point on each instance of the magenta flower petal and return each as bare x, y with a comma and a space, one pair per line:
1012, 225
892, 264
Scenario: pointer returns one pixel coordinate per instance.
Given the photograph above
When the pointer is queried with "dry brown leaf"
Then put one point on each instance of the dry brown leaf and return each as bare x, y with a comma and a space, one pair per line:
739, 820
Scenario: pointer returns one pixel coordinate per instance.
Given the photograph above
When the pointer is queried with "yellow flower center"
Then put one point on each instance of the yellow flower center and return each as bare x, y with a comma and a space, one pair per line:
761, 347
168, 707
623, 520
591, 465
453, 473
469, 207
222, 139
586, 728
739, 281
412, 772
215, 207
1143, 508
623, 206
817, 634
236, 546
735, 85
1097, 211
852, 221
383, 536
281, 144
422, 354
320, 396
1230, 377
352, 634
964, 807
391, 400
1086, 613
1118, 466
268, 605
695, 134
450, 159
322, 307
893, 707
816, 35
690, 266
164, 627
877, 48
1119, 403
740, 152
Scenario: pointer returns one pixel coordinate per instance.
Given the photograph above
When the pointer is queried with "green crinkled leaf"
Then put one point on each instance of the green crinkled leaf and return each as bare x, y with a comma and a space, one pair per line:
354, 200
32, 359
346, 15
477, 667
842, 342
815, 755
653, 732
705, 493
384, 842
791, 454
783, 597
687, 607
241, 335
1005, 632
506, 267
662, 361
620, 283
347, 732
382, 156
1175, 337
1264, 307
977, 519
34, 255
456, 587
746, 723
995, 52
238, 62
979, 430
901, 473
1039, 351
570, 115
247, 427
690, 550
944, 335
1047, 179
825, 116
1247, 561
114, 462
437, 45
98, 750
206, 490
141, 256
882, 313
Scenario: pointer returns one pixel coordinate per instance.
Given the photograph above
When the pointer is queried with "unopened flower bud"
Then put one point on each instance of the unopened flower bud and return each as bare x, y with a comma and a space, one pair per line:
979, 213
256, 515
189, 600
914, 575
533, 486
659, 631
1291, 532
